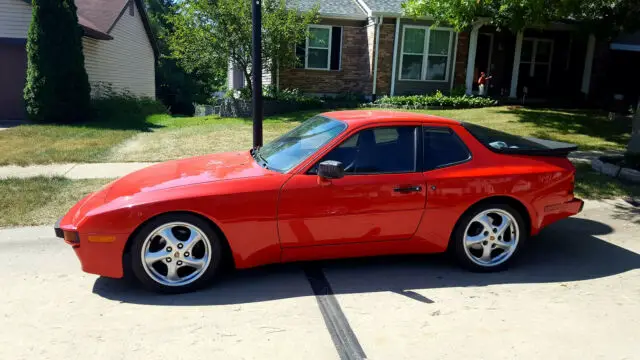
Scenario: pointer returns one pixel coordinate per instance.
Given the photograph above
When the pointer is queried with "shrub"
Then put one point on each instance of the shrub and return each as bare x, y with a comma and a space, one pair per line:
57, 86
292, 96
436, 100
115, 108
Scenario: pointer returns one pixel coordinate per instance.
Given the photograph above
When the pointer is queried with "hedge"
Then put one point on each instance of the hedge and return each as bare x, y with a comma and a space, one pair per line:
436, 100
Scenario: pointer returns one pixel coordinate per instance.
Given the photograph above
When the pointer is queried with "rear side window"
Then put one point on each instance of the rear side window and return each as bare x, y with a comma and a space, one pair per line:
442, 148
498, 140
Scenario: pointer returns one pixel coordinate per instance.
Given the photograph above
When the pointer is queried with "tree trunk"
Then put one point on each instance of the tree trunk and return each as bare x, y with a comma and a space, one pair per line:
247, 78
634, 144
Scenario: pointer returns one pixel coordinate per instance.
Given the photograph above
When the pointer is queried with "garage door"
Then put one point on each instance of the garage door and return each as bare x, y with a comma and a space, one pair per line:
13, 65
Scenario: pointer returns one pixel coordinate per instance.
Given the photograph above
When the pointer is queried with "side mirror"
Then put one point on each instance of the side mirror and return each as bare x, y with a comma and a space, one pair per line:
330, 169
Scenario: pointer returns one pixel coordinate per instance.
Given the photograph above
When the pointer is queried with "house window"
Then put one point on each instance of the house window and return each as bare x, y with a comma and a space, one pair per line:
322, 49
536, 56
425, 53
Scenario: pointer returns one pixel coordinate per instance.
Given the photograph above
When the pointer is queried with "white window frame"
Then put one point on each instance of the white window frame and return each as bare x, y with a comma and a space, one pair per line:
534, 54
307, 47
425, 53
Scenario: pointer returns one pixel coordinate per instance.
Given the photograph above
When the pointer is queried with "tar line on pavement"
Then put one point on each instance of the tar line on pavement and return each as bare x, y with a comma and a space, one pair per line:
343, 337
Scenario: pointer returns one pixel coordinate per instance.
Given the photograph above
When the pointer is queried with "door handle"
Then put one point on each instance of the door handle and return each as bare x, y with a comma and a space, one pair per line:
407, 189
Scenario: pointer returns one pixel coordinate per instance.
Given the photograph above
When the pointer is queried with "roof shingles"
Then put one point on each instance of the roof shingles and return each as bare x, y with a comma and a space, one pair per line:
385, 6
331, 7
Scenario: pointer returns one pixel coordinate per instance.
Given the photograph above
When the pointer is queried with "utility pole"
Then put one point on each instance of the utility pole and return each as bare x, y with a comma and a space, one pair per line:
256, 69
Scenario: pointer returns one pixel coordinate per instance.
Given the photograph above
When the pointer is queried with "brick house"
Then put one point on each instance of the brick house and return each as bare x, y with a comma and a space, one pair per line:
368, 47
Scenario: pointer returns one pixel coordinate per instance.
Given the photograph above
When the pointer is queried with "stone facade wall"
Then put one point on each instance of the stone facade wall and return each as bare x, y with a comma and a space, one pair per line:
354, 75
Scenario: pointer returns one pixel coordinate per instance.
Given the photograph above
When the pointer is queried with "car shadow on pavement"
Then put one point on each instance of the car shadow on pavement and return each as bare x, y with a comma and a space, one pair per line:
564, 252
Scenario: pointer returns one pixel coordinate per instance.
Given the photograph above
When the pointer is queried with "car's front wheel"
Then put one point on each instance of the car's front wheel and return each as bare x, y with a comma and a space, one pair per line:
175, 253
488, 237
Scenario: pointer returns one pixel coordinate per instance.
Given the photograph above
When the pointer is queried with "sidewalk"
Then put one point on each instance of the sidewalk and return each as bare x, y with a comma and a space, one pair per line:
73, 171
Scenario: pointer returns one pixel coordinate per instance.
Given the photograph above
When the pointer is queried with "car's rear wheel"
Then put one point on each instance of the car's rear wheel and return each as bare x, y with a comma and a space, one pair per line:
488, 237
176, 253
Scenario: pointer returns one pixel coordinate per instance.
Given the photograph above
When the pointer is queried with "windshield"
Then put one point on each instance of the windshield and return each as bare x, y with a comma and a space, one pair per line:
289, 150
498, 140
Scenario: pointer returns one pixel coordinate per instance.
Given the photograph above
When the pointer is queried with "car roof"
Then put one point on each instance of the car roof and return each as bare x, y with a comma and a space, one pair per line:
360, 117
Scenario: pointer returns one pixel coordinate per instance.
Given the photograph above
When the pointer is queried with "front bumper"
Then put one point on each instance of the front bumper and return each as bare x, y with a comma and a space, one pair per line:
96, 255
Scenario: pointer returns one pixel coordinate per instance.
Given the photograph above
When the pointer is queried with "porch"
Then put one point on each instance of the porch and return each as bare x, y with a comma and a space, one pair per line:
531, 65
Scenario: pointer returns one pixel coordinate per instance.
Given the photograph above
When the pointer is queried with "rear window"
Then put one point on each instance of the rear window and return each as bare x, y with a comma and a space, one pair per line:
498, 140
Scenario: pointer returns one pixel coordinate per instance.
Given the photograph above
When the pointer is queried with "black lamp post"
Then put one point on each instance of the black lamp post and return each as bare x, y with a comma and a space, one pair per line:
256, 73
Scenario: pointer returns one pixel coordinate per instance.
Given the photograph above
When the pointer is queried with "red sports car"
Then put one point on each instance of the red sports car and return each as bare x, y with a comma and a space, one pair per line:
342, 184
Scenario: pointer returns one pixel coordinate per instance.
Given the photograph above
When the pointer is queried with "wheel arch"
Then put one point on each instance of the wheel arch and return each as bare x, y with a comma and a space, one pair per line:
501, 199
227, 254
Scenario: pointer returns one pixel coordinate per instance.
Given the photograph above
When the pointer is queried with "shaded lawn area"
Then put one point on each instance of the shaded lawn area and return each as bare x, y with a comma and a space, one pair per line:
41, 200
593, 185
162, 137
590, 130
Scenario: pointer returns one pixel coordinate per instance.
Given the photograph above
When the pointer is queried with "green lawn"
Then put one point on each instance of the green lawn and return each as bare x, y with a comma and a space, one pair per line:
41, 200
595, 186
163, 137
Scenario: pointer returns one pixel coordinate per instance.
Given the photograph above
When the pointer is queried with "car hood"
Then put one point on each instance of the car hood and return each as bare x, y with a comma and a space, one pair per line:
197, 170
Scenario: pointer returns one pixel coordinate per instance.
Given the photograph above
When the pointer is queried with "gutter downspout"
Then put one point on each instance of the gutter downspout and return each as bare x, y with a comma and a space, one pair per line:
395, 58
378, 21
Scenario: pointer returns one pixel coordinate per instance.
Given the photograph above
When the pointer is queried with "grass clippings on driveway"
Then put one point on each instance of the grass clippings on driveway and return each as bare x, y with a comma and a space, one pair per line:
41, 200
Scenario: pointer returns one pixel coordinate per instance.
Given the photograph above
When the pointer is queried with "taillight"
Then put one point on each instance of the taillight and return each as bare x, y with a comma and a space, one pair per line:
573, 183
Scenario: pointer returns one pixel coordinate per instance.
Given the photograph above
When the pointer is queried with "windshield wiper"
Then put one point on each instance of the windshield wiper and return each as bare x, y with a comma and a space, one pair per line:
260, 159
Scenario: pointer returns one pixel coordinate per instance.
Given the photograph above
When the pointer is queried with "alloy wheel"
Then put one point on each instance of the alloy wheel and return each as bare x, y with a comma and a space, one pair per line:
176, 254
491, 237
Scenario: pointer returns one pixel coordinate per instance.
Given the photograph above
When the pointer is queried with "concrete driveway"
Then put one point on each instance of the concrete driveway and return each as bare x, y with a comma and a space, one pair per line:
574, 294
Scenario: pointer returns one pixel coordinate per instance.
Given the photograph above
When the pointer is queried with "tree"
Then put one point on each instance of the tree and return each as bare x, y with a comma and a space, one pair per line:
57, 87
177, 88
604, 18
210, 34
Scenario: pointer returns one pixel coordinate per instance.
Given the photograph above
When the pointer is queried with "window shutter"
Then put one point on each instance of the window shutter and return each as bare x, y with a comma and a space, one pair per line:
336, 47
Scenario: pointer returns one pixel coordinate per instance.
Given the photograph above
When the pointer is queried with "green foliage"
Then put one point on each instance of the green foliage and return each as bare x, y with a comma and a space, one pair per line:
291, 95
602, 16
176, 87
438, 99
208, 34
57, 87
112, 108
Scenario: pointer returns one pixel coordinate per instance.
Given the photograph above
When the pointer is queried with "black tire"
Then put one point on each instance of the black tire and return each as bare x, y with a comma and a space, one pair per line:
208, 274
458, 238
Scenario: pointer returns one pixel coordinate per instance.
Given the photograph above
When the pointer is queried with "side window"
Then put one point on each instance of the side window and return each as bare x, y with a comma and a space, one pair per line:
442, 147
378, 151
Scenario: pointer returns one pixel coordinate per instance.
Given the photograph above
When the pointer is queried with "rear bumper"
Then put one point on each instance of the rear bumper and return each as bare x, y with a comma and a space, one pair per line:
553, 213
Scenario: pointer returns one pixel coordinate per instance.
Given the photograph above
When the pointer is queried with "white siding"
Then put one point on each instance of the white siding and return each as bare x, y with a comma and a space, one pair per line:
15, 17
126, 62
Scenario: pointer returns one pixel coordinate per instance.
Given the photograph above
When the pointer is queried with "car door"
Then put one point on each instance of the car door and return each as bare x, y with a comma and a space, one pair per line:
381, 197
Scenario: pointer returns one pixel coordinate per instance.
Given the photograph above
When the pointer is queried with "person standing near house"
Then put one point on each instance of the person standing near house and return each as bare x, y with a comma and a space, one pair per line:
483, 83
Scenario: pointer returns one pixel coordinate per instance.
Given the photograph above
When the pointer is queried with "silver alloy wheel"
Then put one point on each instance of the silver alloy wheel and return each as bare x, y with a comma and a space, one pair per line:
176, 254
491, 237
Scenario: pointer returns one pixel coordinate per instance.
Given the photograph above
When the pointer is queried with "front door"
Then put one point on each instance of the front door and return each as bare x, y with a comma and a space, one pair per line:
382, 196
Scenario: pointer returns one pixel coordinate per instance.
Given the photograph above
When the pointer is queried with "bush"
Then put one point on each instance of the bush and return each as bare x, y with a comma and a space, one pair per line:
438, 99
291, 95
123, 108
57, 85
